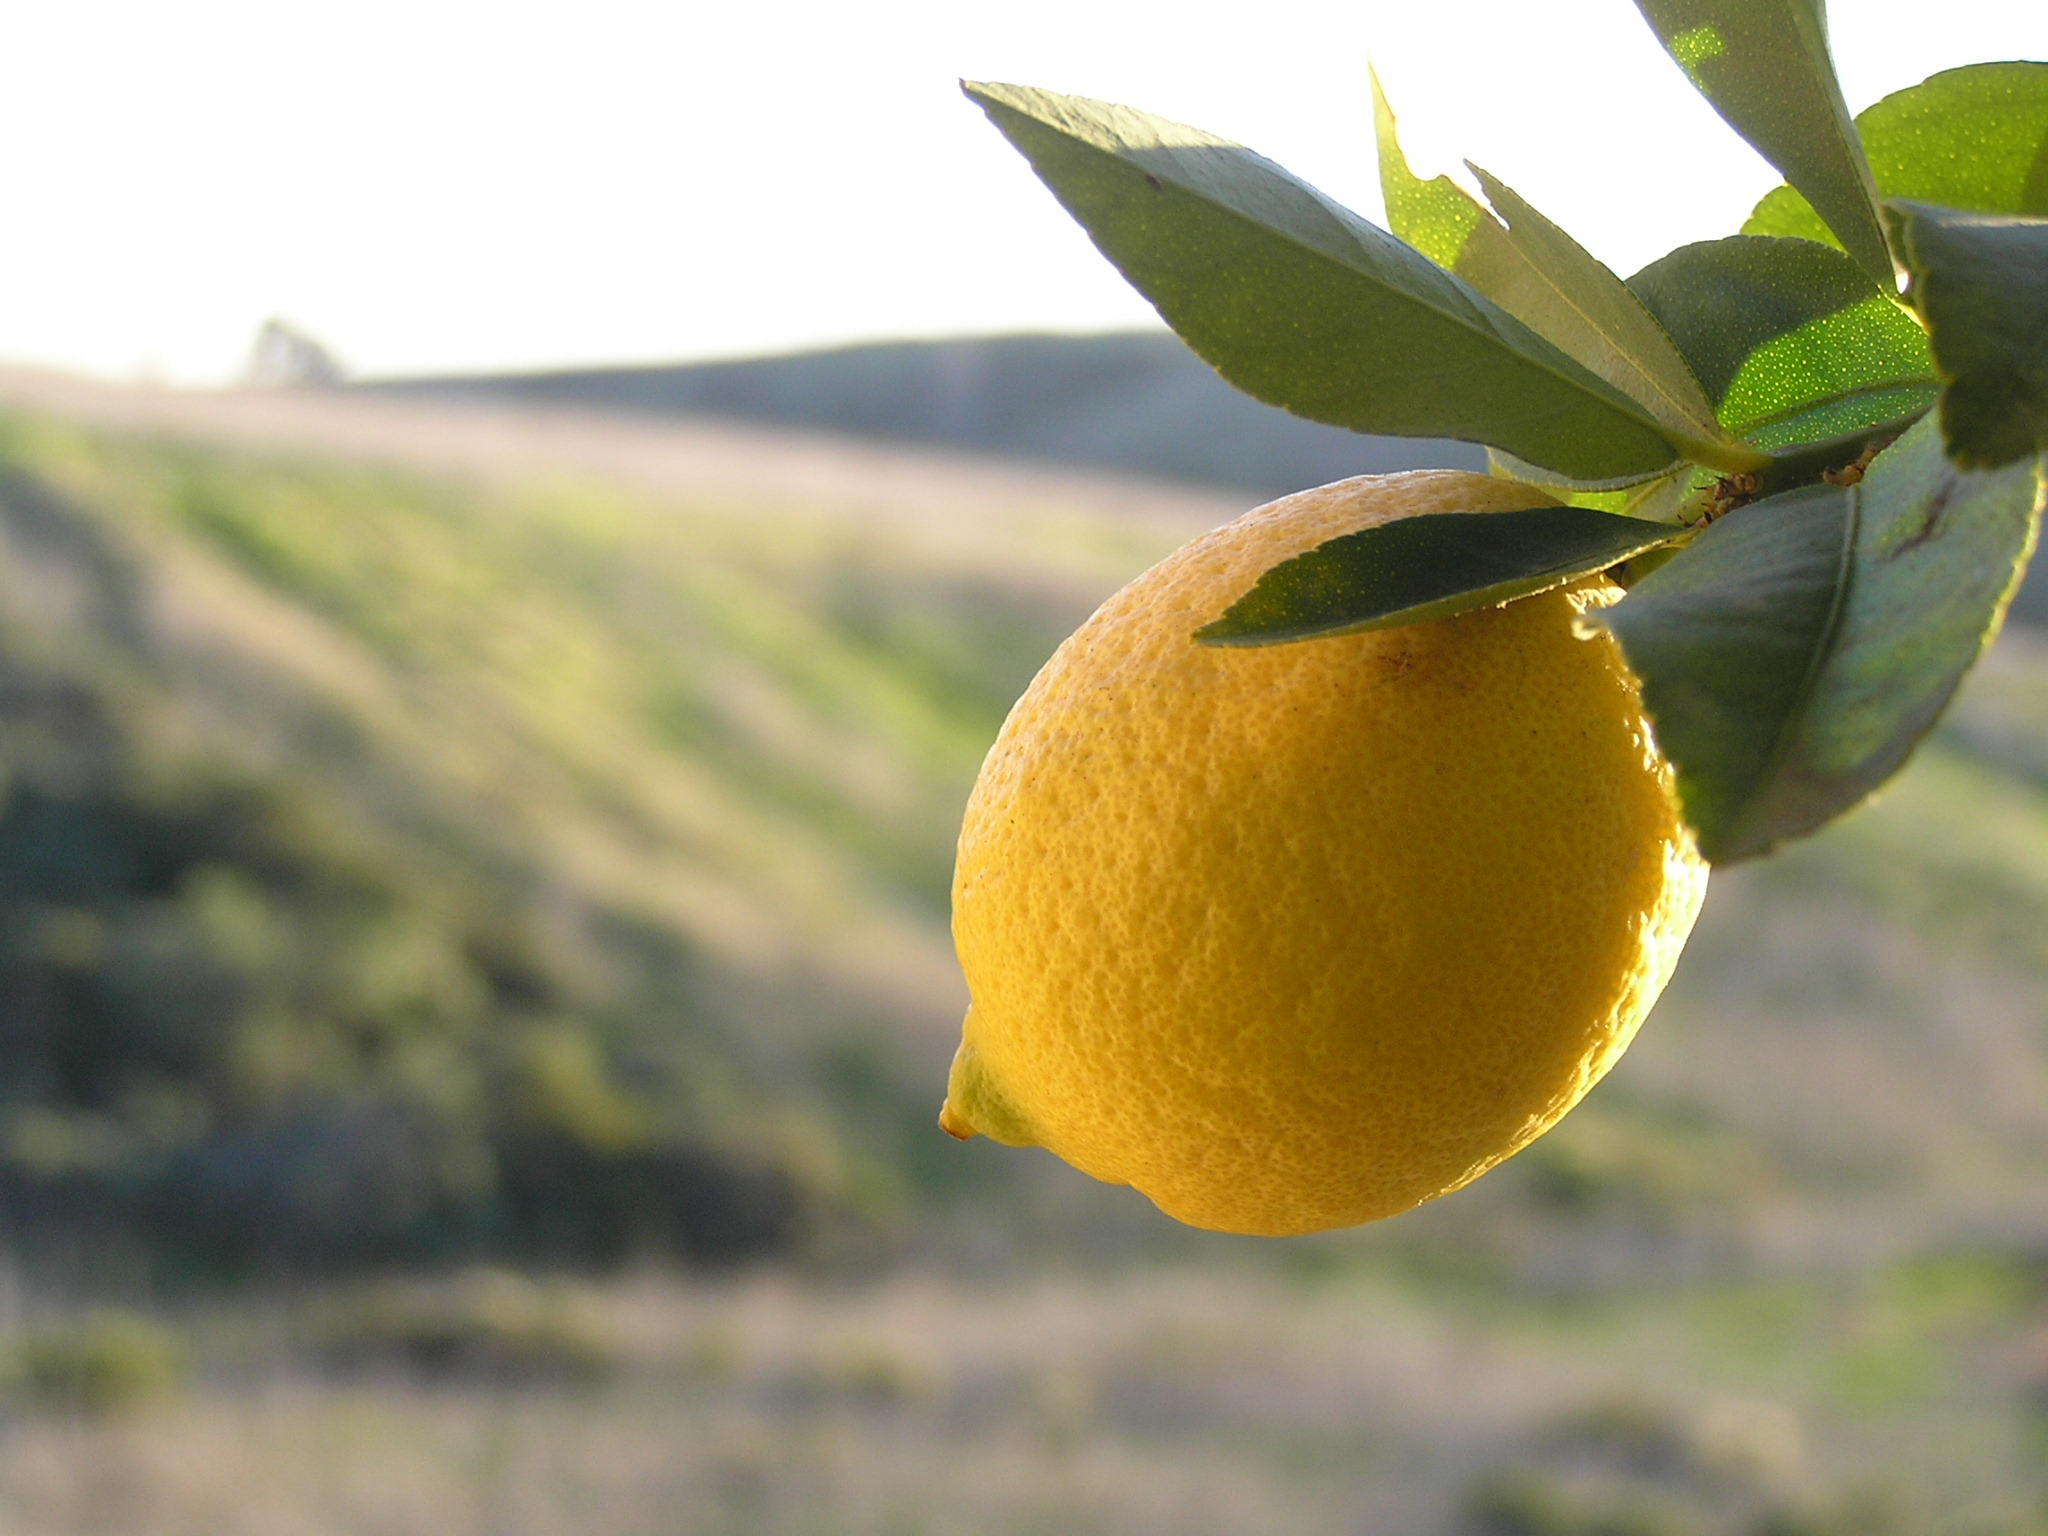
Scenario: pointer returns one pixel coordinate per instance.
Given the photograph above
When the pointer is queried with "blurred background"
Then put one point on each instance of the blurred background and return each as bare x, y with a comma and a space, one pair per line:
517, 525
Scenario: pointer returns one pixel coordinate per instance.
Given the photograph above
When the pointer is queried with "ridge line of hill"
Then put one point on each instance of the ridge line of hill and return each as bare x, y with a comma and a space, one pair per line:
516, 440
1129, 402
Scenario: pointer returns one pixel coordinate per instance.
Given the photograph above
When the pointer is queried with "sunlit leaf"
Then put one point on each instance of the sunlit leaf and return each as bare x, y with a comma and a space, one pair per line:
1660, 501
1301, 303
1789, 339
1974, 138
1783, 213
1430, 567
1548, 281
1434, 216
1794, 654
1765, 66
1611, 494
1980, 281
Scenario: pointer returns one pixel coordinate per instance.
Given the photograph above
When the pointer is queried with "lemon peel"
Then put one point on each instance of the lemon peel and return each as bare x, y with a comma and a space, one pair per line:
1299, 937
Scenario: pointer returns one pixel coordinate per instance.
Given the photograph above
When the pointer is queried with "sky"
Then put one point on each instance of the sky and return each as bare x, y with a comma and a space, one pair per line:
447, 186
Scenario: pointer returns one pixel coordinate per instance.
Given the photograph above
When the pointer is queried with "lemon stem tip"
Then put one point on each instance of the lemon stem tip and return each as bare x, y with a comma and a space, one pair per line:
952, 1124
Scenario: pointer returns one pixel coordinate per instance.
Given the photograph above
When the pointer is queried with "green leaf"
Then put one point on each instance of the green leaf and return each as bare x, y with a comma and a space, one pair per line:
1974, 138
1795, 653
1434, 216
1765, 66
1577, 490
1783, 213
1788, 338
1980, 281
1552, 284
1659, 501
1430, 567
1727, 641
1547, 280
1303, 304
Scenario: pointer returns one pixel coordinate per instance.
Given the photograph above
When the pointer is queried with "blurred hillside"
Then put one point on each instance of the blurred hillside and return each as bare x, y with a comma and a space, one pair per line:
1139, 403
435, 830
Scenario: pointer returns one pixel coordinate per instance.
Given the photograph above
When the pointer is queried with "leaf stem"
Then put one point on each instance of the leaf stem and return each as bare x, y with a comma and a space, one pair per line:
1728, 458
1807, 463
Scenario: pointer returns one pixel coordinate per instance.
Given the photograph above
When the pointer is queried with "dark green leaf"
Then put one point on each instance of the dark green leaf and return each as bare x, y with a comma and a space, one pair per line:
1303, 304
1980, 281
1430, 567
1974, 138
1765, 66
1726, 640
1788, 338
1795, 653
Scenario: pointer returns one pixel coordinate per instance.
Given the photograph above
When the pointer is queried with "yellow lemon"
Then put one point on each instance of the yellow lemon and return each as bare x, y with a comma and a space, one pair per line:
1297, 937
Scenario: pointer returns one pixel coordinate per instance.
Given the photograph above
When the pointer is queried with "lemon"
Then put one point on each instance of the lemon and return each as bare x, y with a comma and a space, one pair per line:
1298, 937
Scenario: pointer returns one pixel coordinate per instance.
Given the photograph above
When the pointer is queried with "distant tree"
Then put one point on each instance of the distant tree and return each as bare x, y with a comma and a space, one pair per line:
285, 357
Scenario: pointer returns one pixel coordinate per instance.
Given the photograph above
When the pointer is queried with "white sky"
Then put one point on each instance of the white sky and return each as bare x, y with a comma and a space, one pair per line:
448, 185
